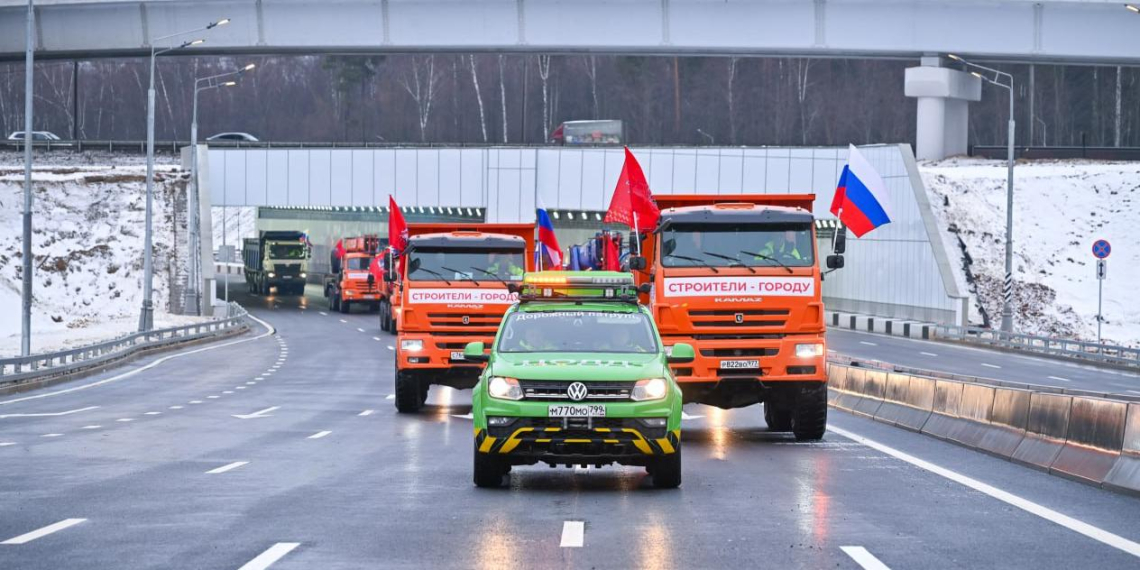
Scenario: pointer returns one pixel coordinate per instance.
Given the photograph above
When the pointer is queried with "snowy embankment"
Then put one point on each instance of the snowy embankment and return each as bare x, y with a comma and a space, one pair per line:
88, 226
1060, 209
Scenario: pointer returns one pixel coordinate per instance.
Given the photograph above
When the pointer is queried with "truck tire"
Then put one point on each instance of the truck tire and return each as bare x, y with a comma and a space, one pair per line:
488, 469
778, 418
345, 307
410, 397
666, 471
265, 287
809, 420
384, 316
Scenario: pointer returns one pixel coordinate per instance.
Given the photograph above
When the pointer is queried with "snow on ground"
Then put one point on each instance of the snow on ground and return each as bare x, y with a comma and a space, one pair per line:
88, 240
239, 222
1060, 209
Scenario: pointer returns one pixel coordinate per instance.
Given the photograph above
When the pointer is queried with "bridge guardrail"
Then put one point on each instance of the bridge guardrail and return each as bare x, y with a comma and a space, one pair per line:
1079, 349
39, 366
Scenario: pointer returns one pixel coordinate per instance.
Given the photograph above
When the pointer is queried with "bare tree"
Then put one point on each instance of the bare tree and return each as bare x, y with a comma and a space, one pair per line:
478, 97
503, 96
544, 74
803, 68
590, 63
731, 103
420, 82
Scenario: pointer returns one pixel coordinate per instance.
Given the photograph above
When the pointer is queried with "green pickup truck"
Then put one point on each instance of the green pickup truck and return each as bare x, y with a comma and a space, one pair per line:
577, 375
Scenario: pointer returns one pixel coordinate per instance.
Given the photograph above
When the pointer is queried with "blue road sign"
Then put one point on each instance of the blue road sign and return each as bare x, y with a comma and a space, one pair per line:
1101, 248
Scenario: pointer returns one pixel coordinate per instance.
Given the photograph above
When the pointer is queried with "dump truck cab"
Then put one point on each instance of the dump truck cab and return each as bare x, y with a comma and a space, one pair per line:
452, 289
351, 282
738, 278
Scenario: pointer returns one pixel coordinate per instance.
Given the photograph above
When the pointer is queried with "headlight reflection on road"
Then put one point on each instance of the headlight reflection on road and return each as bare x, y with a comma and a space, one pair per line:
654, 547
496, 549
718, 432
811, 494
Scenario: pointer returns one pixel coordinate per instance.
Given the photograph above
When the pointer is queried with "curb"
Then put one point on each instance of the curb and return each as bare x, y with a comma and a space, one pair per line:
882, 325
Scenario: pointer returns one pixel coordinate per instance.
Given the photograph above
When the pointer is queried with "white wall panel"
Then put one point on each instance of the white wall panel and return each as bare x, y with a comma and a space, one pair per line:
277, 177
320, 177
361, 187
340, 177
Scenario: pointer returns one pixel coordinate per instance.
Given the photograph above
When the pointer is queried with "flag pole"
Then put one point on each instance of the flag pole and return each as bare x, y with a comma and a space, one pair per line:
636, 234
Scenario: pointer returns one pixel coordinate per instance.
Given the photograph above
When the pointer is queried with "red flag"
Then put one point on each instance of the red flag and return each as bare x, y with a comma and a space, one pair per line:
397, 227
611, 256
632, 196
375, 268
338, 250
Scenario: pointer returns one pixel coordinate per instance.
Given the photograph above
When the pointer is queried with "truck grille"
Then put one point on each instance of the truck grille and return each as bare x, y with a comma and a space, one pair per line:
555, 390
737, 352
743, 318
476, 323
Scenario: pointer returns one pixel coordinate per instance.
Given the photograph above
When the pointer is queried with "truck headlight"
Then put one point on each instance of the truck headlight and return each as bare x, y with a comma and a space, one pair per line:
272, 275
414, 345
504, 388
651, 389
304, 275
809, 350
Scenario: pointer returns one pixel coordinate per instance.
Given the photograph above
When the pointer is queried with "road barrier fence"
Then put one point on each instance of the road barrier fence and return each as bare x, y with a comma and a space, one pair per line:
1050, 346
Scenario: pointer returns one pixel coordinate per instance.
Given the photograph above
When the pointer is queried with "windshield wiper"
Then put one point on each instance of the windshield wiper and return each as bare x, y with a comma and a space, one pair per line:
735, 262
700, 261
485, 272
762, 256
457, 272
436, 273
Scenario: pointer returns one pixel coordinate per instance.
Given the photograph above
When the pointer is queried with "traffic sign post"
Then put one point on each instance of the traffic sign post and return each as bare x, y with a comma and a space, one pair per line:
1101, 249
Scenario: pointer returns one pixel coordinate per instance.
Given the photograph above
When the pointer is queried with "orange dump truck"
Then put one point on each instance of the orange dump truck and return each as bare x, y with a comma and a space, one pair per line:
738, 278
350, 281
451, 290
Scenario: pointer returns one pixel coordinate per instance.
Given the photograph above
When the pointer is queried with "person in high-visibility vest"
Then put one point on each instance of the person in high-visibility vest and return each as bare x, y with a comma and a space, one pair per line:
782, 249
504, 265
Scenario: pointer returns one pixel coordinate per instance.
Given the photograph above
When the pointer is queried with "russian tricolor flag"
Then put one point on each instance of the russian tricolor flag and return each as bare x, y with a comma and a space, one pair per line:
855, 204
548, 242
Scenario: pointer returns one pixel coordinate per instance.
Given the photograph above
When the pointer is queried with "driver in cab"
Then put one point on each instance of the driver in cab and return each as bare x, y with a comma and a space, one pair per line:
782, 248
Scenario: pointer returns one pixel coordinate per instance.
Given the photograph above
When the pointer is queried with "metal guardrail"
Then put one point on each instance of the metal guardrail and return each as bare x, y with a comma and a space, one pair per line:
62, 362
1105, 353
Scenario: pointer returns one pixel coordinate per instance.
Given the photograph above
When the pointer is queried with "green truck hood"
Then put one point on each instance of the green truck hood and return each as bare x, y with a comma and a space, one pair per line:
579, 366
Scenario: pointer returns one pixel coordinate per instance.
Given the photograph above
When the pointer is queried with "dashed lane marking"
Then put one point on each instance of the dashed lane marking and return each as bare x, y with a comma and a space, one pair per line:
988, 365
213, 397
273, 554
390, 347
228, 392
42, 532
928, 354
573, 534
318, 435
359, 329
7, 443
343, 321
48, 414
366, 413
125, 420
93, 426
175, 407
239, 387
195, 401
152, 413
1026, 505
250, 383
1059, 378
868, 343
864, 558
323, 314
229, 467
52, 435
390, 397
376, 338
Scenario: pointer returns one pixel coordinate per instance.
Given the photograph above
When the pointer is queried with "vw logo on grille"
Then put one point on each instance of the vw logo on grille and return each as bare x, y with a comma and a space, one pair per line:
739, 317
466, 320
577, 391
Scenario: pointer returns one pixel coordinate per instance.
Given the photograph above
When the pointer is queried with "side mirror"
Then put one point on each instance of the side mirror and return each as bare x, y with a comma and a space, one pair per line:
839, 245
682, 353
474, 352
371, 280
835, 262
637, 263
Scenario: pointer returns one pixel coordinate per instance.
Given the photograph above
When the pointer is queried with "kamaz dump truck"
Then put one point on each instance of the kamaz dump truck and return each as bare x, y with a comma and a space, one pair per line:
276, 259
737, 277
351, 282
452, 290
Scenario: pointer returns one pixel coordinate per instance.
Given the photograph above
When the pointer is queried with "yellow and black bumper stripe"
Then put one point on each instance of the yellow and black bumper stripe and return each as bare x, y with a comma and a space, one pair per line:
661, 446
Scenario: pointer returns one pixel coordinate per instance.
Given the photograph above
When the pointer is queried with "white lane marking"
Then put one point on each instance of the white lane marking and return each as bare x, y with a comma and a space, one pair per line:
685, 416
195, 401
366, 413
40, 533
152, 413
212, 397
1059, 378
868, 343
228, 392
93, 426
573, 534
48, 414
1026, 505
928, 354
318, 435
467, 416
343, 321
269, 330
864, 558
175, 407
988, 365
7, 443
52, 435
359, 329
225, 468
124, 420
390, 397
273, 554
390, 347
250, 383
375, 338
258, 414
239, 387
323, 314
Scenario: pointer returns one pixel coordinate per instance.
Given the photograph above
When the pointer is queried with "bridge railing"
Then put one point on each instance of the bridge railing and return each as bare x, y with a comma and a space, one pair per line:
1052, 346
61, 362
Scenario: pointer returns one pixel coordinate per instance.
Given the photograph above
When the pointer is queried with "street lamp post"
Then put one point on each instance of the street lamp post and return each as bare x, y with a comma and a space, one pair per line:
1007, 284
146, 316
26, 293
193, 296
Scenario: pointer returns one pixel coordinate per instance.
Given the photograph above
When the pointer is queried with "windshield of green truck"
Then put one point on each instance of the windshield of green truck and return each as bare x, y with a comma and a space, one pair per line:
577, 331
725, 245
456, 264
286, 251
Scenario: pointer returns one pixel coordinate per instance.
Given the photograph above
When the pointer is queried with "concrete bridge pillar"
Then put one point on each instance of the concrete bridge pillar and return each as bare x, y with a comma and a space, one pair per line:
943, 97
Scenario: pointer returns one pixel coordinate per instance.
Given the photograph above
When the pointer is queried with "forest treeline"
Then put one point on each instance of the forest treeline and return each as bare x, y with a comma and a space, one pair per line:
512, 98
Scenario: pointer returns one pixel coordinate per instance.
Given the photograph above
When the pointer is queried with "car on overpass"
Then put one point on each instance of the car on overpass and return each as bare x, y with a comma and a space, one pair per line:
40, 137
577, 376
233, 137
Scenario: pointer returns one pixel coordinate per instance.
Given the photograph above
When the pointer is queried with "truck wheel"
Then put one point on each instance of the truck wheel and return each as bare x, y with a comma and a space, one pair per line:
265, 287
667, 470
345, 307
777, 418
488, 469
384, 316
810, 418
410, 397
